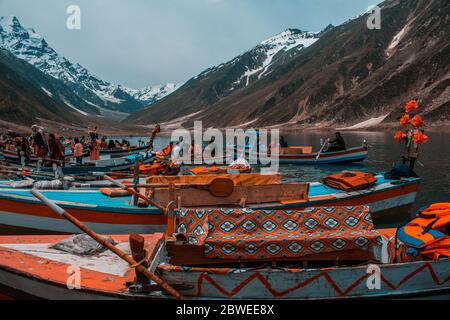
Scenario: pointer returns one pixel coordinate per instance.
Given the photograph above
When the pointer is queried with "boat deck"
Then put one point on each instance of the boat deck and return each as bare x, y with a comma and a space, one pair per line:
96, 199
104, 276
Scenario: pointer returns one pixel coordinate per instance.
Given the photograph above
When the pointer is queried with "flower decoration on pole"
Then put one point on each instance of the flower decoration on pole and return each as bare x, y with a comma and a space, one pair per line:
412, 134
413, 126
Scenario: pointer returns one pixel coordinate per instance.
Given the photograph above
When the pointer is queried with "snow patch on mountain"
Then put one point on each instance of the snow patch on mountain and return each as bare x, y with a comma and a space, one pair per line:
264, 55
152, 94
47, 92
27, 45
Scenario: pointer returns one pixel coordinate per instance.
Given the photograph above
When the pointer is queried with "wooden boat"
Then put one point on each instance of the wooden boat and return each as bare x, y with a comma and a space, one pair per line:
118, 153
122, 164
306, 156
29, 269
12, 157
19, 210
357, 154
106, 165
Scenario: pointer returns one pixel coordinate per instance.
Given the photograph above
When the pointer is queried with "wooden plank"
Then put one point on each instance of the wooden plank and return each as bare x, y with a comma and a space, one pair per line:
245, 179
192, 197
181, 254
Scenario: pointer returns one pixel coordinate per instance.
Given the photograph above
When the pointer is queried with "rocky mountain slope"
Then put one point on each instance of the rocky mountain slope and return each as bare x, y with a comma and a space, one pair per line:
218, 82
23, 103
351, 75
88, 93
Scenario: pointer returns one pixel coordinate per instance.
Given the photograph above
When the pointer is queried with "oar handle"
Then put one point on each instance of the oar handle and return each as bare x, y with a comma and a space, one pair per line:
60, 211
137, 194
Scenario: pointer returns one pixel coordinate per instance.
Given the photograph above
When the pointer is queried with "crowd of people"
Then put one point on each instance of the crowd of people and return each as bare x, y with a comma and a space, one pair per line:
54, 149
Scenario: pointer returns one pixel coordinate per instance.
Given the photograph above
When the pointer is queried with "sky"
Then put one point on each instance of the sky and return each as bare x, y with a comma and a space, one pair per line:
138, 43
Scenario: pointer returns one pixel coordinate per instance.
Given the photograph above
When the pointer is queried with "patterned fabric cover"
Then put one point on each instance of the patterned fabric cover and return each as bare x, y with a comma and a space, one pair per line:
264, 234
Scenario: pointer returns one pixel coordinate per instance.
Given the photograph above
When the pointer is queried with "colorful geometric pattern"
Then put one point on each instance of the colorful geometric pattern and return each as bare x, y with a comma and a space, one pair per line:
269, 234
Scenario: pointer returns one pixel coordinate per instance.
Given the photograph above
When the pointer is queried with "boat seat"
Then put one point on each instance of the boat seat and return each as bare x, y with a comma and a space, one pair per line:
243, 234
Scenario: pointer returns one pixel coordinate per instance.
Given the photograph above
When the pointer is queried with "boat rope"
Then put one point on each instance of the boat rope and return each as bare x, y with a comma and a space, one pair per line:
137, 264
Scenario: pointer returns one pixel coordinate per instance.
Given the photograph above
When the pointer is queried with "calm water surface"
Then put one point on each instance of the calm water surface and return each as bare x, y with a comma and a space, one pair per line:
384, 152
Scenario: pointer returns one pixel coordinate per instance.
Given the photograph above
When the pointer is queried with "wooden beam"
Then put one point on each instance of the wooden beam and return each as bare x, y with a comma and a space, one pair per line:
192, 197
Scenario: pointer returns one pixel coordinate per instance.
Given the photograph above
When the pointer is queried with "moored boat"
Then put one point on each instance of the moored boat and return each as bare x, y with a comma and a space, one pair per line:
31, 266
357, 154
390, 201
118, 153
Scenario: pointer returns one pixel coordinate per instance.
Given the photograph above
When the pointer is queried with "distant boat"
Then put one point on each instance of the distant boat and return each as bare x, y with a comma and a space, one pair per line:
305, 156
11, 156
357, 154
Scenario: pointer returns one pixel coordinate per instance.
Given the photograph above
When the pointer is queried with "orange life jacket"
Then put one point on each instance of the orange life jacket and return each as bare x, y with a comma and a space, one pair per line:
157, 169
428, 233
168, 150
348, 181
207, 170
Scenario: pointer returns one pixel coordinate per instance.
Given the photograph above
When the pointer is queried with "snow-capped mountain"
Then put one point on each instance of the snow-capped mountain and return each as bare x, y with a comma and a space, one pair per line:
352, 77
94, 96
220, 81
151, 94
257, 62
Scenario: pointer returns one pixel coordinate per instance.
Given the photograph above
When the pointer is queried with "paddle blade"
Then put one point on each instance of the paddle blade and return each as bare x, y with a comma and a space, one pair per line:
221, 187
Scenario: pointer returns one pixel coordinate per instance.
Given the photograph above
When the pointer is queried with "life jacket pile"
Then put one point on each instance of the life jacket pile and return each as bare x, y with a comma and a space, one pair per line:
160, 168
350, 180
428, 234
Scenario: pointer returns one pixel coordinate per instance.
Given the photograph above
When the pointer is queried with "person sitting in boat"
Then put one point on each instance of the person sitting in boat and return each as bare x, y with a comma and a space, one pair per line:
283, 143
338, 144
111, 145
40, 146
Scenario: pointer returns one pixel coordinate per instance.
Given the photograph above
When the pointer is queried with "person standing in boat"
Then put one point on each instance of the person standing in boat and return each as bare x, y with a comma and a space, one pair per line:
56, 149
23, 149
39, 144
93, 134
95, 150
338, 144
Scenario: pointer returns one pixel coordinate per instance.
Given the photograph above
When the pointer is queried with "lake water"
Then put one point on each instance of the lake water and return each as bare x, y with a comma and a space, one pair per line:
384, 152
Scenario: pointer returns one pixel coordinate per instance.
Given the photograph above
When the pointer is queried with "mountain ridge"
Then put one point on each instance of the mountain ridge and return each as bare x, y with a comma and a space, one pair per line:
90, 94
218, 82
348, 76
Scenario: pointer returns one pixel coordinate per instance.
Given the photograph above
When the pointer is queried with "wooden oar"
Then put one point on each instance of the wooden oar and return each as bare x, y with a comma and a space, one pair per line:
60, 211
137, 194
219, 187
321, 150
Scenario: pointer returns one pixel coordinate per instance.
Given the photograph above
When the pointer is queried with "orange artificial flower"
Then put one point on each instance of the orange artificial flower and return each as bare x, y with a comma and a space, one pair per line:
405, 120
417, 121
420, 137
411, 105
400, 136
